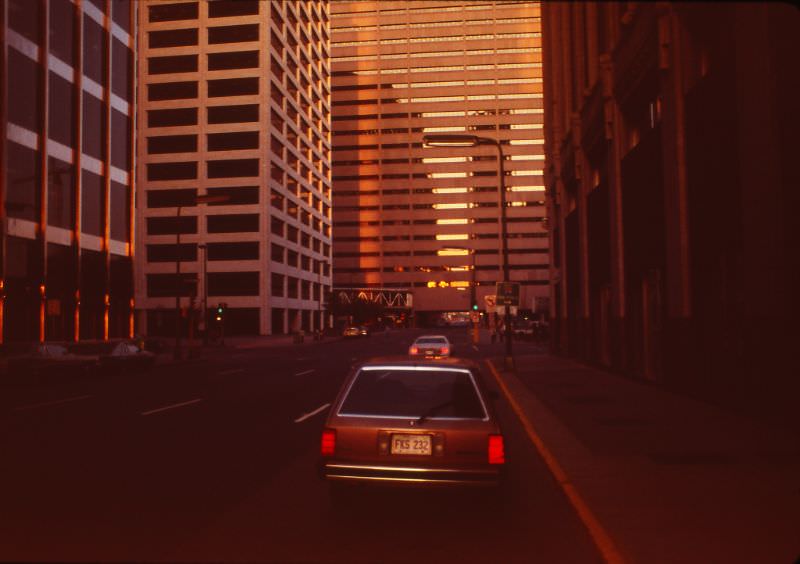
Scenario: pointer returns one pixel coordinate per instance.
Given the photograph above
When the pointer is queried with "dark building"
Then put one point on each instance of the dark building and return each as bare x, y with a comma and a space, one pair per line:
672, 186
66, 152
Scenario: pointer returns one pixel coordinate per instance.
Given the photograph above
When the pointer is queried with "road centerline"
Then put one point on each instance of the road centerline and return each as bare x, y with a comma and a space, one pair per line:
312, 414
172, 406
303, 373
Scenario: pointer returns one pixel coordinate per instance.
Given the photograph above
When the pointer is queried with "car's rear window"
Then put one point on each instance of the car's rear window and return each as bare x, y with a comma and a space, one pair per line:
431, 341
413, 392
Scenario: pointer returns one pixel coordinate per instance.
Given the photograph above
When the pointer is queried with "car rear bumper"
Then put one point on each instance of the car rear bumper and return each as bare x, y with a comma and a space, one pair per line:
411, 475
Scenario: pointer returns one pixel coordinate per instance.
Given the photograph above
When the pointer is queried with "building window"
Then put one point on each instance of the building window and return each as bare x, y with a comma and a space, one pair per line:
233, 114
173, 38
233, 34
233, 283
232, 223
233, 251
237, 195
172, 117
173, 12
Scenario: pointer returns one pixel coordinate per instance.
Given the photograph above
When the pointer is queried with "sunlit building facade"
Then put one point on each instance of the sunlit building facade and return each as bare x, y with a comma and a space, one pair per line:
66, 154
427, 219
672, 188
234, 103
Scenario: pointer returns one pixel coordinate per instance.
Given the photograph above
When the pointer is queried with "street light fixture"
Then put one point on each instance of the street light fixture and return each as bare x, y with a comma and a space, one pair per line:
205, 199
322, 325
458, 140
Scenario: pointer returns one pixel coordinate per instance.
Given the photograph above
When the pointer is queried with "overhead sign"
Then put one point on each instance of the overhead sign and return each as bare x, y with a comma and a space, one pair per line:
508, 293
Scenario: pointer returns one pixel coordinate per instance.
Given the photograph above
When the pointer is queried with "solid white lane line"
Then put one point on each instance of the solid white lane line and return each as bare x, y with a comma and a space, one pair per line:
48, 403
312, 414
305, 372
173, 406
231, 371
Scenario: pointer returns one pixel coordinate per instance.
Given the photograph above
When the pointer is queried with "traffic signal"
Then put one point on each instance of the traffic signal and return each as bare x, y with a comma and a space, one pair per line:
474, 307
220, 312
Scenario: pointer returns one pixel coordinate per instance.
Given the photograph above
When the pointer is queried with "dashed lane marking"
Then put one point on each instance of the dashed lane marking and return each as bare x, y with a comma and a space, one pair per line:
49, 403
173, 406
312, 414
304, 372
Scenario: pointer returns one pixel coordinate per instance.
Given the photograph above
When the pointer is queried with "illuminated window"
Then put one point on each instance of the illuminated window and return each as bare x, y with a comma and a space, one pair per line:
452, 236
527, 188
454, 190
459, 221
459, 206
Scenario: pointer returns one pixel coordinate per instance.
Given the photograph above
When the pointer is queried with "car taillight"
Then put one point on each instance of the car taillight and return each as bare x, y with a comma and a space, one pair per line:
496, 451
328, 443
444, 350
413, 350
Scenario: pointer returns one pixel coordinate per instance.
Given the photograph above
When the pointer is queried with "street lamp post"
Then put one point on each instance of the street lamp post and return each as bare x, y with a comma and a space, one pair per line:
455, 140
322, 265
206, 199
204, 248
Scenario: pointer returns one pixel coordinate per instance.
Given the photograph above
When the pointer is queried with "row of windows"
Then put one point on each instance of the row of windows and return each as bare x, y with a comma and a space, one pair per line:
188, 170
431, 39
233, 141
231, 60
454, 7
421, 54
374, 27
191, 10
233, 223
386, 238
190, 37
231, 284
395, 222
173, 117
442, 68
462, 82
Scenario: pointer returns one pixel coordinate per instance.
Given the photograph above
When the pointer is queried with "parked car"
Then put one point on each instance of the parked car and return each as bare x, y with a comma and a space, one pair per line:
116, 356
48, 359
412, 422
436, 346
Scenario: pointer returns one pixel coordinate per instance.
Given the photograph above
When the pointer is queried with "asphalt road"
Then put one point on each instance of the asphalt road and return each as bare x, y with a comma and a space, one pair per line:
214, 460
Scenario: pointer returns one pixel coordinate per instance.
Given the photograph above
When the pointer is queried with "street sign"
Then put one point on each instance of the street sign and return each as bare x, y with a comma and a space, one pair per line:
508, 293
491, 303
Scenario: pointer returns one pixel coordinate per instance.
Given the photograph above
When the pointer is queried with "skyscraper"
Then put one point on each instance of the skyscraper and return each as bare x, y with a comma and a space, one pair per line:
428, 219
234, 106
66, 148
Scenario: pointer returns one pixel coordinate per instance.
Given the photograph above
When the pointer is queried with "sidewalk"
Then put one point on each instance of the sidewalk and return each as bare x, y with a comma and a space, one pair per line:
669, 479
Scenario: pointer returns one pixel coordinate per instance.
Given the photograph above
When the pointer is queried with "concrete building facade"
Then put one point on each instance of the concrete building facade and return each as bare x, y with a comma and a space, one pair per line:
66, 172
427, 219
234, 105
671, 182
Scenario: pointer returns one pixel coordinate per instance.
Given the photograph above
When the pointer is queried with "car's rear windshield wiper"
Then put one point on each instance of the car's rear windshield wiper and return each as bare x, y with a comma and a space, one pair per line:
433, 409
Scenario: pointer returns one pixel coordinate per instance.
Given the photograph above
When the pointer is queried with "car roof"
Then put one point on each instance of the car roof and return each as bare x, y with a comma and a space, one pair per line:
431, 337
404, 361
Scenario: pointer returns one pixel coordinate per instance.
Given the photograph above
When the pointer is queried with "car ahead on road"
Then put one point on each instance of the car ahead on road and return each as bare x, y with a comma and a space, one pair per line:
116, 356
355, 331
434, 346
48, 359
406, 422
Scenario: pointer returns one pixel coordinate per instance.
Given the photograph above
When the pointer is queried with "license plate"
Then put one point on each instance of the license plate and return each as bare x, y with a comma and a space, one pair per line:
411, 444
